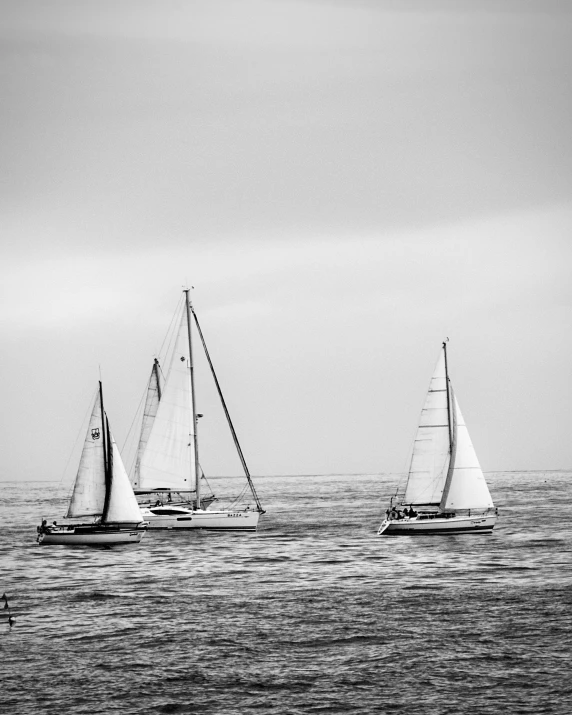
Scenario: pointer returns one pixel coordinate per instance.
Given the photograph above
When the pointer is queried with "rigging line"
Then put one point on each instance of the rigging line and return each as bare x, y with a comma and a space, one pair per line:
226, 412
137, 417
134, 418
234, 501
170, 334
239, 497
160, 367
204, 476
241, 493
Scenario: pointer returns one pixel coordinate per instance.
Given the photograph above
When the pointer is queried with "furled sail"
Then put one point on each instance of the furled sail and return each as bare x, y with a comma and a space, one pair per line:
467, 486
89, 490
149, 413
168, 460
123, 506
431, 449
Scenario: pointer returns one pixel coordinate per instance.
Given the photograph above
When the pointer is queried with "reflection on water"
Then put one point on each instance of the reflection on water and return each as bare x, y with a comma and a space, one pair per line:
313, 614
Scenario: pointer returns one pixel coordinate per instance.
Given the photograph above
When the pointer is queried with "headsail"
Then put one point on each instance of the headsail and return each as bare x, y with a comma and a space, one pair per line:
431, 449
167, 460
89, 490
123, 506
467, 486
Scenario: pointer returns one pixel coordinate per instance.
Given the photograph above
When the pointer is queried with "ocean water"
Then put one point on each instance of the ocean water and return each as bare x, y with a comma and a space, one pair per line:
312, 614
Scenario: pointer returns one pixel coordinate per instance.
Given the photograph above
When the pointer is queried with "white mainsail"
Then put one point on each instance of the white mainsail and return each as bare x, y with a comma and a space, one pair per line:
168, 458
123, 506
431, 454
149, 413
467, 487
89, 489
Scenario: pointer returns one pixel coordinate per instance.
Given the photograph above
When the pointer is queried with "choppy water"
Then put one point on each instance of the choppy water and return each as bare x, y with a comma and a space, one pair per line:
313, 614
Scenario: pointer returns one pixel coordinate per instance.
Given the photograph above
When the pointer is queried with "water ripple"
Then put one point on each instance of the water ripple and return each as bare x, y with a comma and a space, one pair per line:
313, 614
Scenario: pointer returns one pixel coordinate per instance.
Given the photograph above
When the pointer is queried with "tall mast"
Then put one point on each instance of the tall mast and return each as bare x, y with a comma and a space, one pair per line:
193, 405
452, 420
106, 455
448, 399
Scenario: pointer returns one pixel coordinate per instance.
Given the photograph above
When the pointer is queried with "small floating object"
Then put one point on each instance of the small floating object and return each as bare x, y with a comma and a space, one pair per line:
8, 616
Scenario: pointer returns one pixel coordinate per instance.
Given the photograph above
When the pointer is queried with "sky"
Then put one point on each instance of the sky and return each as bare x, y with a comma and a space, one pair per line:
345, 184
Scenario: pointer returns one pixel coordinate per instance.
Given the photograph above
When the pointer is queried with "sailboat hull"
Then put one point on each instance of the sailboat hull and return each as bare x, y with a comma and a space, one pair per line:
180, 518
436, 525
90, 536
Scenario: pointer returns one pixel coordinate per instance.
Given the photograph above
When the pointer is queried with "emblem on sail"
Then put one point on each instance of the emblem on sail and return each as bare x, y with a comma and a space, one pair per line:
95, 433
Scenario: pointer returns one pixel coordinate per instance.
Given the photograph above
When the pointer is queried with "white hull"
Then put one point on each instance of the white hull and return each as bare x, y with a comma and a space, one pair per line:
439, 525
74, 536
181, 518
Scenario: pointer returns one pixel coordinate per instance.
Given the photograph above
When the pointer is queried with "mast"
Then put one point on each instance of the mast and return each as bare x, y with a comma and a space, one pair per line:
227, 414
193, 405
451, 418
448, 399
107, 461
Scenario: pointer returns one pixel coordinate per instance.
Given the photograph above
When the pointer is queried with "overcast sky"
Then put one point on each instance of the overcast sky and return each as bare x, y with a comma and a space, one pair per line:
345, 183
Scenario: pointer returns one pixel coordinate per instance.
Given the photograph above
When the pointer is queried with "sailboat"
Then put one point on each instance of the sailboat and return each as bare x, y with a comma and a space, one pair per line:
101, 490
167, 475
446, 491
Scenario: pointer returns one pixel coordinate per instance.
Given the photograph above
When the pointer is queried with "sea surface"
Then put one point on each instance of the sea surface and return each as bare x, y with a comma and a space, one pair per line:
312, 614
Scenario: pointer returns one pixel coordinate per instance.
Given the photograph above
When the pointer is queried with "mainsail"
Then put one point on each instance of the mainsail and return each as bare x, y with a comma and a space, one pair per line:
431, 449
89, 490
167, 459
152, 400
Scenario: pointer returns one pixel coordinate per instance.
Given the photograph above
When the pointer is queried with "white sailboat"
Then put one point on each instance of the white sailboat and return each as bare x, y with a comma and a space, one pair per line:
167, 473
101, 490
446, 491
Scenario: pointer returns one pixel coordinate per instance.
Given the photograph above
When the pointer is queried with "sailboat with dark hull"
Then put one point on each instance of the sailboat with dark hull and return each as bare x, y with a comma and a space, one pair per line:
167, 475
446, 491
102, 491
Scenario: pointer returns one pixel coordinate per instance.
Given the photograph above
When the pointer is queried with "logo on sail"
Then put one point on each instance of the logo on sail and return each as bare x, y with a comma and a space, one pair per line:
95, 433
